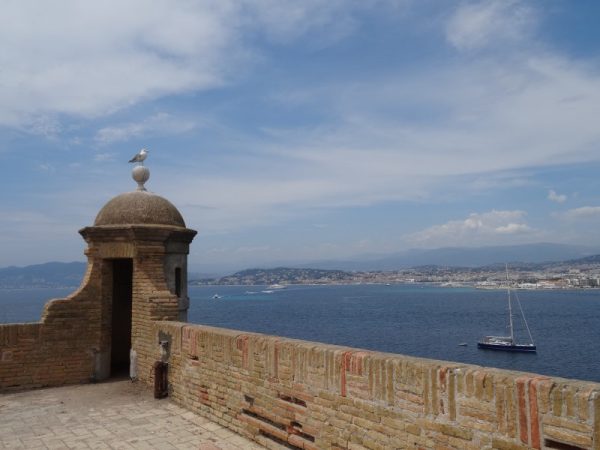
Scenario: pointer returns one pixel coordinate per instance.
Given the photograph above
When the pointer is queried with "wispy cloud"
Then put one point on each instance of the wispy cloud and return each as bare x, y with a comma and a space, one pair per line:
72, 65
513, 228
491, 124
487, 228
484, 118
157, 125
477, 24
554, 197
104, 157
582, 213
482, 110
46, 167
94, 60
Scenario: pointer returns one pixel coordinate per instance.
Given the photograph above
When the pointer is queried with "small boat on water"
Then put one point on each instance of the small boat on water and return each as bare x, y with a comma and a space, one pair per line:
505, 343
509, 343
216, 297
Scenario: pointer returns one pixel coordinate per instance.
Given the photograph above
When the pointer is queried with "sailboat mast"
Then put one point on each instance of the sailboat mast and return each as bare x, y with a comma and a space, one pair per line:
510, 317
524, 319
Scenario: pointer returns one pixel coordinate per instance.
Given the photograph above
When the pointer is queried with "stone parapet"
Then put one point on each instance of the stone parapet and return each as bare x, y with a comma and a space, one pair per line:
286, 393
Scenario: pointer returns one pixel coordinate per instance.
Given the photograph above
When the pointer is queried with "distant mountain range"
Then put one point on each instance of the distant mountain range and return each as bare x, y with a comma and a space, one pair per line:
523, 271
56, 274
462, 257
52, 274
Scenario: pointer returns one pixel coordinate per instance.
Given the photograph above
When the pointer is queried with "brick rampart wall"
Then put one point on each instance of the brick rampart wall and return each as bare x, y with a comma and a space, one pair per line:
58, 349
72, 342
287, 393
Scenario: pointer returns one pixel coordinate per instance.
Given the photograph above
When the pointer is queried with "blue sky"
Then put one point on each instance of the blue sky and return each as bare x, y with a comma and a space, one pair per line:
289, 131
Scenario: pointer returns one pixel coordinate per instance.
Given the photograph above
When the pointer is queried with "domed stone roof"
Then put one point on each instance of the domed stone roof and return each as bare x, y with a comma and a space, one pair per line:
139, 208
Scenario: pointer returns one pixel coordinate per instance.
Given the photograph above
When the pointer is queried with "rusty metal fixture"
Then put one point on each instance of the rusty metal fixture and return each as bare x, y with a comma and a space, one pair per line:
161, 383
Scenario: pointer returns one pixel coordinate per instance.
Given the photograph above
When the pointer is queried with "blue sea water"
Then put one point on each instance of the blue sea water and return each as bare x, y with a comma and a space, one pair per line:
418, 320
26, 305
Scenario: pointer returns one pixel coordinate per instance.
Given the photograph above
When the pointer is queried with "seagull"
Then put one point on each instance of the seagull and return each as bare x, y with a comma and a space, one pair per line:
140, 156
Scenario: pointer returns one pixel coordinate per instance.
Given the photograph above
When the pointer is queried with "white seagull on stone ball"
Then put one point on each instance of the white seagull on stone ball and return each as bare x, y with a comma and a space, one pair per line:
140, 156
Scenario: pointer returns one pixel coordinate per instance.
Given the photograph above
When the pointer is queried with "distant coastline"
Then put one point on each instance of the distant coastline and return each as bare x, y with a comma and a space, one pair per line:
583, 273
499, 287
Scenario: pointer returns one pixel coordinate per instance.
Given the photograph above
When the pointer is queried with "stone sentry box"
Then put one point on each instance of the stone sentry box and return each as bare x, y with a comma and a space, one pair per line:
137, 273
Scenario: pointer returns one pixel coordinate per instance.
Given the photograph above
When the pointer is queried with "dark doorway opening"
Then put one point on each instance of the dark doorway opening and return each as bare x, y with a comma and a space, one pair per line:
121, 316
178, 282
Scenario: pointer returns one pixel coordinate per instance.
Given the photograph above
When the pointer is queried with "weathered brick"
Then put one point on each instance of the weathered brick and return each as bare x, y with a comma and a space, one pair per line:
567, 436
501, 444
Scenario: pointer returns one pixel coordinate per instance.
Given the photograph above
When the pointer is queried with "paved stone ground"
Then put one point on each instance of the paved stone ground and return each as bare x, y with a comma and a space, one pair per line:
113, 415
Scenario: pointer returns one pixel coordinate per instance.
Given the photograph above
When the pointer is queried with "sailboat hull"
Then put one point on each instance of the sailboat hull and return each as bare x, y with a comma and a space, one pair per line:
507, 347
507, 343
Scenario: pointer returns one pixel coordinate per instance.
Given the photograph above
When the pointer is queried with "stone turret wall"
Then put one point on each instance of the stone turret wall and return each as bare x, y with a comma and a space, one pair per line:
287, 393
152, 300
72, 342
62, 347
137, 265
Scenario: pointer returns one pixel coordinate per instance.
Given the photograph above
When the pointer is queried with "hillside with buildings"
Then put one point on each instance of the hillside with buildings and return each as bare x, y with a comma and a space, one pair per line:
582, 272
579, 273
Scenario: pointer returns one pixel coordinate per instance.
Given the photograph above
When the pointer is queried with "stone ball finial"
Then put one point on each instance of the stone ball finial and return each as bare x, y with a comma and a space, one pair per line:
140, 175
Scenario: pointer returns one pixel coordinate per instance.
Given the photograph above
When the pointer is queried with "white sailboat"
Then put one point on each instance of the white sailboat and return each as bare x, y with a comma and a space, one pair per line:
508, 343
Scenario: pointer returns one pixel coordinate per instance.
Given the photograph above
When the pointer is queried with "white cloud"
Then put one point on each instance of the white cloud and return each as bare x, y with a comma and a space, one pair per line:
486, 118
320, 21
104, 157
46, 167
288, 19
158, 124
513, 228
230, 204
403, 135
482, 116
558, 198
478, 24
582, 213
490, 123
487, 228
93, 59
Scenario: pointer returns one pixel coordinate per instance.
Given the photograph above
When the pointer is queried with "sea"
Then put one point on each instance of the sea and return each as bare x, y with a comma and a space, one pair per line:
414, 319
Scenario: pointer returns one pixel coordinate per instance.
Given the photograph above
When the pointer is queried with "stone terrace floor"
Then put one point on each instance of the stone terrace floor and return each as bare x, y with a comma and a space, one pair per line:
113, 415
